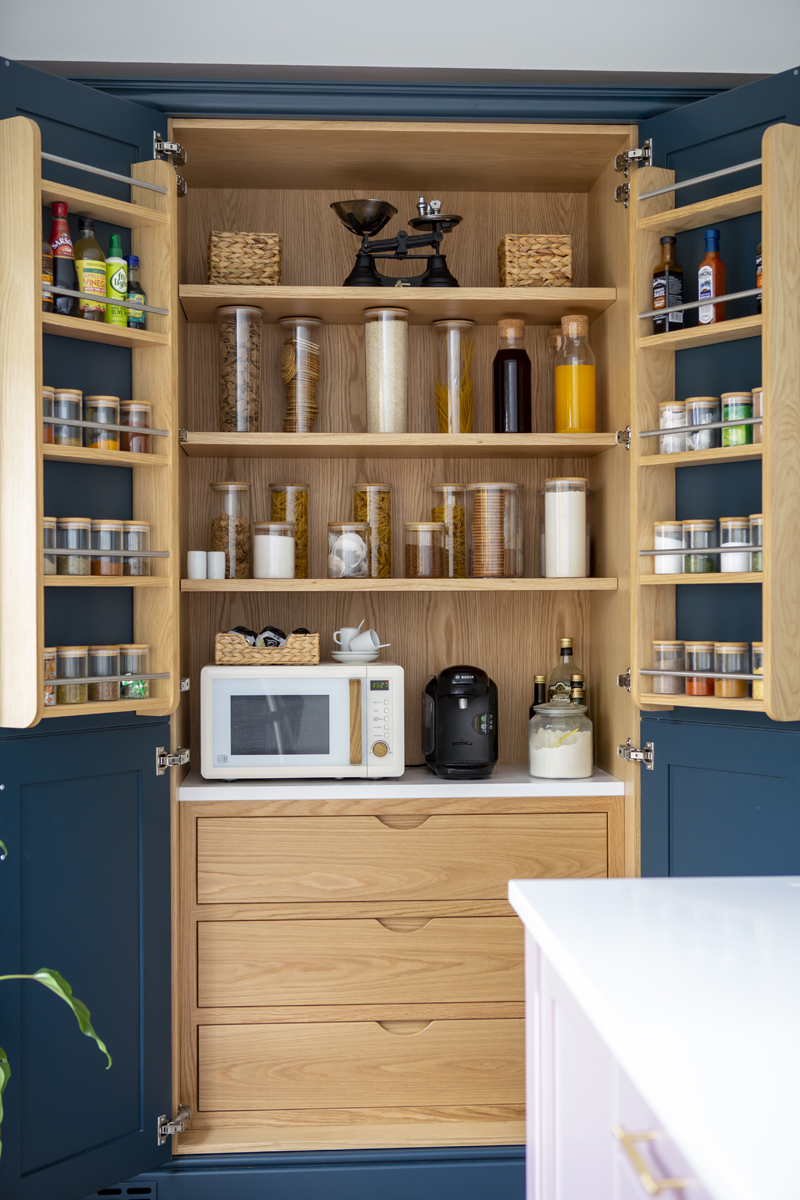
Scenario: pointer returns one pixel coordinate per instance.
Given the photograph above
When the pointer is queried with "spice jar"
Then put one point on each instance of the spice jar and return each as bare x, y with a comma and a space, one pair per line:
300, 372
133, 664
758, 411
734, 531
49, 541
73, 533
105, 411
239, 330
737, 406
348, 550
565, 528
68, 405
425, 549
289, 502
668, 656
386, 342
49, 673
671, 414
699, 535
273, 550
107, 536
135, 536
135, 412
372, 502
699, 656
449, 509
668, 535
71, 663
48, 397
757, 539
455, 400
732, 658
757, 649
702, 410
495, 531
560, 742
230, 526
104, 660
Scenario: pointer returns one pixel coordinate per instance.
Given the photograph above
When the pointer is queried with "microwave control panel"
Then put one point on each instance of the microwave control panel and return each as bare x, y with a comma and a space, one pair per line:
384, 718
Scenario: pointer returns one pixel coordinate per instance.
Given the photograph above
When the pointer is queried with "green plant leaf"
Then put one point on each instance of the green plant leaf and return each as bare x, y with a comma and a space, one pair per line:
58, 984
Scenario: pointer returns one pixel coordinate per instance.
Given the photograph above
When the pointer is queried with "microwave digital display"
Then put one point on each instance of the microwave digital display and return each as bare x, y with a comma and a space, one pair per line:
379, 685
280, 725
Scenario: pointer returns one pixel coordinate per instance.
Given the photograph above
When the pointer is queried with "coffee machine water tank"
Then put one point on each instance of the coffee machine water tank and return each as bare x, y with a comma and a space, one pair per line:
459, 723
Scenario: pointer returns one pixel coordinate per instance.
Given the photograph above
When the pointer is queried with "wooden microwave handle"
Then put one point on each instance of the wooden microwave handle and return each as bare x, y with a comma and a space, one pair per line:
356, 740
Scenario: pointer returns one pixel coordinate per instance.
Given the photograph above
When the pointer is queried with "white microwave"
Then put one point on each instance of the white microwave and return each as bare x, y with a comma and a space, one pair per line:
328, 721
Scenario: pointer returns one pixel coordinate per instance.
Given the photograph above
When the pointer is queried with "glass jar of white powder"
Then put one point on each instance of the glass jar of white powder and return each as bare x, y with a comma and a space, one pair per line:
386, 339
565, 541
560, 742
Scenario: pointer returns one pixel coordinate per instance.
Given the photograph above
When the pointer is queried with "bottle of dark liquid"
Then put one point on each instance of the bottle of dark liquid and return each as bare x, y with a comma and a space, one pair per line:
759, 266
47, 275
667, 288
511, 380
64, 273
539, 693
136, 320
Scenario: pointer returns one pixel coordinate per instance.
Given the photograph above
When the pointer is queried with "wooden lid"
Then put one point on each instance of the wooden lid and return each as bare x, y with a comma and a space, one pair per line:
427, 525
133, 646
702, 400
71, 651
731, 647
697, 647
575, 325
756, 517
737, 396
135, 524
239, 485
512, 325
111, 400
103, 649
74, 522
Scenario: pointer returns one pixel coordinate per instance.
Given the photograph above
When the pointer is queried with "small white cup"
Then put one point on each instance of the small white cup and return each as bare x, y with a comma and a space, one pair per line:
366, 642
197, 564
216, 564
343, 637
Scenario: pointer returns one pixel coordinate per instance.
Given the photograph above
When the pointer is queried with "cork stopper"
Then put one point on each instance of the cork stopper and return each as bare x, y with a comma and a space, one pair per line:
575, 325
555, 337
511, 329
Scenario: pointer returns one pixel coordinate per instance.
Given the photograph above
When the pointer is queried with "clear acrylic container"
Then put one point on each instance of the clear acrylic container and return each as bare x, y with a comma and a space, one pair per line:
732, 658
107, 536
50, 654
737, 406
71, 663
135, 412
494, 547
668, 535
289, 502
757, 539
672, 413
560, 742
758, 411
239, 330
372, 502
104, 410
48, 396
386, 342
300, 372
454, 393
73, 533
425, 549
133, 660
734, 531
699, 535
565, 543
135, 536
699, 656
230, 526
104, 660
68, 405
757, 650
273, 549
702, 410
49, 539
668, 656
449, 508
348, 550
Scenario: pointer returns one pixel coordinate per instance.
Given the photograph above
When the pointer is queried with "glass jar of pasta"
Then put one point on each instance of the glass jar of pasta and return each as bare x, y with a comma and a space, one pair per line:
453, 390
289, 502
449, 508
372, 502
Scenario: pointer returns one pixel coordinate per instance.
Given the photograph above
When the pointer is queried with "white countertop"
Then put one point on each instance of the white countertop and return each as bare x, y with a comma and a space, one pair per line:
418, 782
694, 985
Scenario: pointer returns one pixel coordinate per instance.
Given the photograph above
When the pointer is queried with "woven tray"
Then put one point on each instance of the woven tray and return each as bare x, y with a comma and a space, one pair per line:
535, 260
301, 650
244, 258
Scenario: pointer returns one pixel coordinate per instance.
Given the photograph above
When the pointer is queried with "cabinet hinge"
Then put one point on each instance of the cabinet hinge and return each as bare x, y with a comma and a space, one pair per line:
624, 681
178, 1125
622, 194
623, 437
183, 435
172, 152
185, 685
163, 760
643, 155
631, 754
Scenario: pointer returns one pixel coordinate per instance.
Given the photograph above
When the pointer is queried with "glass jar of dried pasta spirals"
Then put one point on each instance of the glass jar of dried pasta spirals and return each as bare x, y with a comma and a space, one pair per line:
449, 507
289, 502
300, 372
372, 502
240, 330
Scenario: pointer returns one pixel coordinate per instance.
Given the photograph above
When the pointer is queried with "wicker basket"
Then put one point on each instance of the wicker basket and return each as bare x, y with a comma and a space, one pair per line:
253, 258
301, 650
535, 260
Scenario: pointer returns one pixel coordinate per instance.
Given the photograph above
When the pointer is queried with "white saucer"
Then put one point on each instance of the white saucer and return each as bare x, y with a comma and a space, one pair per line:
352, 657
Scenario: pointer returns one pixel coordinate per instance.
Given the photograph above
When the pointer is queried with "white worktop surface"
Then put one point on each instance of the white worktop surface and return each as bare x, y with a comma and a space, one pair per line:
417, 782
694, 985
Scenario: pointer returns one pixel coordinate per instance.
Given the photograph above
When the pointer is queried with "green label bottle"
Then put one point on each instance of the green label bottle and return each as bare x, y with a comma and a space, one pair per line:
116, 282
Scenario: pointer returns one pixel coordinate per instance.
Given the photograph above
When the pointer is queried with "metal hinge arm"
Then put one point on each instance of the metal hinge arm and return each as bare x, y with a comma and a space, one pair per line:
164, 149
163, 760
623, 437
643, 155
177, 1125
631, 753
624, 681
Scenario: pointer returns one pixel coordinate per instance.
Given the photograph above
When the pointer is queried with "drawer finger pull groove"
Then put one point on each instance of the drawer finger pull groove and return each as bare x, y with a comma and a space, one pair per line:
402, 822
404, 924
404, 1027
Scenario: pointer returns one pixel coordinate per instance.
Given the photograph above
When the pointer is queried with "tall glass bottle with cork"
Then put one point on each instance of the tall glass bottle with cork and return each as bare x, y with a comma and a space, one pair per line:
511, 380
575, 378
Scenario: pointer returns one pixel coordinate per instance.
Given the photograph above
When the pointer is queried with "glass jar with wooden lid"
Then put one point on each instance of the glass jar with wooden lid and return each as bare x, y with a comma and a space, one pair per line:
107, 541
133, 662
140, 414
425, 549
732, 658
372, 502
453, 389
135, 536
699, 656
103, 661
71, 663
49, 538
757, 649
48, 397
734, 532
737, 406
668, 656
104, 410
699, 535
73, 533
68, 405
495, 530
300, 372
449, 508
757, 539
50, 655
289, 502
239, 330
668, 535
348, 550
230, 526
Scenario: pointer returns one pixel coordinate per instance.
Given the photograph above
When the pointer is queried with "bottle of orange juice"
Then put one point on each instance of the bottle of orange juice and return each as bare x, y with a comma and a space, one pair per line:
575, 379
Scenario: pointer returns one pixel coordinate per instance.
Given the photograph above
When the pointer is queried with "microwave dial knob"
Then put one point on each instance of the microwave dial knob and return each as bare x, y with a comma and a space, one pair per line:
380, 749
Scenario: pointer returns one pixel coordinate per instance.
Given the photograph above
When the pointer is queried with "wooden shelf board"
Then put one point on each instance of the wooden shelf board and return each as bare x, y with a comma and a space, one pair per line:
345, 306
140, 707
699, 458
97, 331
95, 581
102, 208
704, 335
105, 458
691, 216
398, 585
711, 577
684, 701
400, 445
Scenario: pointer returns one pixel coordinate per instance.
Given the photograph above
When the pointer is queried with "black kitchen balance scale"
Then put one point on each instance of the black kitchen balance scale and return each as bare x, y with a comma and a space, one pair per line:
365, 218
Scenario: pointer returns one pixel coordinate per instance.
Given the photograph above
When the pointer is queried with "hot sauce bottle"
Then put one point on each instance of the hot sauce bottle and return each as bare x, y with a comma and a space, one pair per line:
711, 281
667, 288
64, 274
759, 266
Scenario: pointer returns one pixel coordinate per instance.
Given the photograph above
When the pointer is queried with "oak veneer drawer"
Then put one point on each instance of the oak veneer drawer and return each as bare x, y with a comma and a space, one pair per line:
447, 959
361, 1064
268, 859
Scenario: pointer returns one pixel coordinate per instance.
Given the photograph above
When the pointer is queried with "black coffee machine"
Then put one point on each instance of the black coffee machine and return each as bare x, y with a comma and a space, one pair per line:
459, 723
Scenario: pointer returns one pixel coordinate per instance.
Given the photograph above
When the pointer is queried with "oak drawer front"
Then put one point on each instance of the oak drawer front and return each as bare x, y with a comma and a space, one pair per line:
270, 859
358, 962
361, 1064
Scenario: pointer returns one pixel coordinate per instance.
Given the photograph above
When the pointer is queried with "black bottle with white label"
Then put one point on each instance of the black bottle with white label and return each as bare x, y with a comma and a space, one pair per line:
667, 288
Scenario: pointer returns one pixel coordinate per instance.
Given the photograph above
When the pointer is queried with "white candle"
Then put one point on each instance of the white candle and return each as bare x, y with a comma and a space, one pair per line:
273, 556
565, 531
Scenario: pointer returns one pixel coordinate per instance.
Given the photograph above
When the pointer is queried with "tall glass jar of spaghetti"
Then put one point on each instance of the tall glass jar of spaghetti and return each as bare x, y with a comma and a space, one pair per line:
455, 400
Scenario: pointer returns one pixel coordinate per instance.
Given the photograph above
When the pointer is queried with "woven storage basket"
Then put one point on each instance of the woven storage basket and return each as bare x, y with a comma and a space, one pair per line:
301, 650
535, 260
244, 258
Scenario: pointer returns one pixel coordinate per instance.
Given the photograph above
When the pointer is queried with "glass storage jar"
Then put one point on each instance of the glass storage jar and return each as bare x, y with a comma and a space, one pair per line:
732, 658
372, 502
734, 531
757, 539
48, 397
702, 410
135, 412
455, 399
107, 536
239, 337
560, 742
135, 536
133, 660
699, 656
668, 656
699, 535
425, 553
289, 502
565, 540
737, 406
348, 550
105, 411
300, 372
49, 674
104, 660
273, 550
449, 508
73, 533
68, 405
757, 650
230, 526
668, 535
494, 548
758, 411
49, 540
386, 347
71, 663
671, 414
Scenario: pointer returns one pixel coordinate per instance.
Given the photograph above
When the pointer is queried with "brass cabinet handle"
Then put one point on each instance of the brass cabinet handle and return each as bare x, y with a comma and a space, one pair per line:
650, 1184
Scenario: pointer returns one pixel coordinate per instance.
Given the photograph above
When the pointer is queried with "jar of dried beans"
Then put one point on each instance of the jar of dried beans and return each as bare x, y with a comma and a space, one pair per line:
230, 526
449, 508
289, 502
104, 661
107, 541
386, 341
239, 369
372, 502
425, 556
300, 372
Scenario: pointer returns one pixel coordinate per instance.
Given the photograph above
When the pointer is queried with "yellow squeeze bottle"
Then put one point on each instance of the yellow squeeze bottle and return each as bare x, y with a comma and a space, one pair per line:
575, 379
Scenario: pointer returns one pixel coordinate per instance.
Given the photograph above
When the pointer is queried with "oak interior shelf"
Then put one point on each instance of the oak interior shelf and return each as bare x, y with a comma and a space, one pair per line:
105, 458
705, 212
103, 208
152, 704
743, 705
699, 458
95, 581
398, 585
397, 445
702, 577
704, 335
98, 331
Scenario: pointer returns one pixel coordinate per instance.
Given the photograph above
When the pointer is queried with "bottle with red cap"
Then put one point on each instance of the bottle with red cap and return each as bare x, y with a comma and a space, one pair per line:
64, 273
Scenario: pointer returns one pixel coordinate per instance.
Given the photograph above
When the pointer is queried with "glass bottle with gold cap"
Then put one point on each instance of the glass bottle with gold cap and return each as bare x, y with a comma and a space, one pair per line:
575, 378
559, 681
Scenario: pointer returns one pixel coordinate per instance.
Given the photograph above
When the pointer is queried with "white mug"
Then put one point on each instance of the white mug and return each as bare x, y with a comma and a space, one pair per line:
343, 637
216, 564
197, 564
366, 642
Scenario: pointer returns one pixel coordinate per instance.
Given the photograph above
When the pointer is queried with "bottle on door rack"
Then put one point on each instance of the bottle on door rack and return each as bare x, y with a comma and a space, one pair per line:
575, 378
759, 267
511, 380
667, 288
90, 265
559, 681
711, 281
64, 274
47, 277
136, 320
116, 282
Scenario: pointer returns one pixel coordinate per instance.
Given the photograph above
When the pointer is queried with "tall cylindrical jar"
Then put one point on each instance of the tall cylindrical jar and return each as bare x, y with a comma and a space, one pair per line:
495, 531
757, 539
511, 379
372, 502
565, 528
699, 535
386, 340
300, 372
449, 509
273, 550
671, 415
699, 656
289, 502
135, 536
668, 535
734, 531
425, 549
239, 369
455, 400
230, 526
575, 378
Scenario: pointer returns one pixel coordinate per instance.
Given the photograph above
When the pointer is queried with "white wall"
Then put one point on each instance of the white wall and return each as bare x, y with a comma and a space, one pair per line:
706, 36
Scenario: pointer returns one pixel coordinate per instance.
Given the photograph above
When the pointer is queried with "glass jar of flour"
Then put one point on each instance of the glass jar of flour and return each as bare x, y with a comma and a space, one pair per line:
560, 742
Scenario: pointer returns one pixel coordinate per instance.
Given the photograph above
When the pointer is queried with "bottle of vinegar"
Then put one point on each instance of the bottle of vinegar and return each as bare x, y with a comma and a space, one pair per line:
511, 380
667, 288
711, 281
90, 263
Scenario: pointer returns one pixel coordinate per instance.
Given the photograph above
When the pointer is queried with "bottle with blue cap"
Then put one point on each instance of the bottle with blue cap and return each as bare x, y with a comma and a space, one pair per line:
711, 281
136, 319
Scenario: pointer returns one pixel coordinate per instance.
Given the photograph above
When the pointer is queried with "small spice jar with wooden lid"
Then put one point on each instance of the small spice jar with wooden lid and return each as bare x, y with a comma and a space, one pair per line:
133, 661
672, 415
107, 541
104, 410
758, 411
49, 675
734, 532
425, 549
732, 658
454, 393
668, 656
68, 405
71, 663
140, 414
104, 661
135, 536
668, 535
699, 535
757, 649
73, 533
699, 656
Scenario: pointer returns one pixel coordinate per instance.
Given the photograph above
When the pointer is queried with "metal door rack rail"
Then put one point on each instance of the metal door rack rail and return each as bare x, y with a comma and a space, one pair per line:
674, 187
684, 428
660, 312
53, 290
696, 674
105, 553
79, 166
734, 549
143, 429
61, 681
